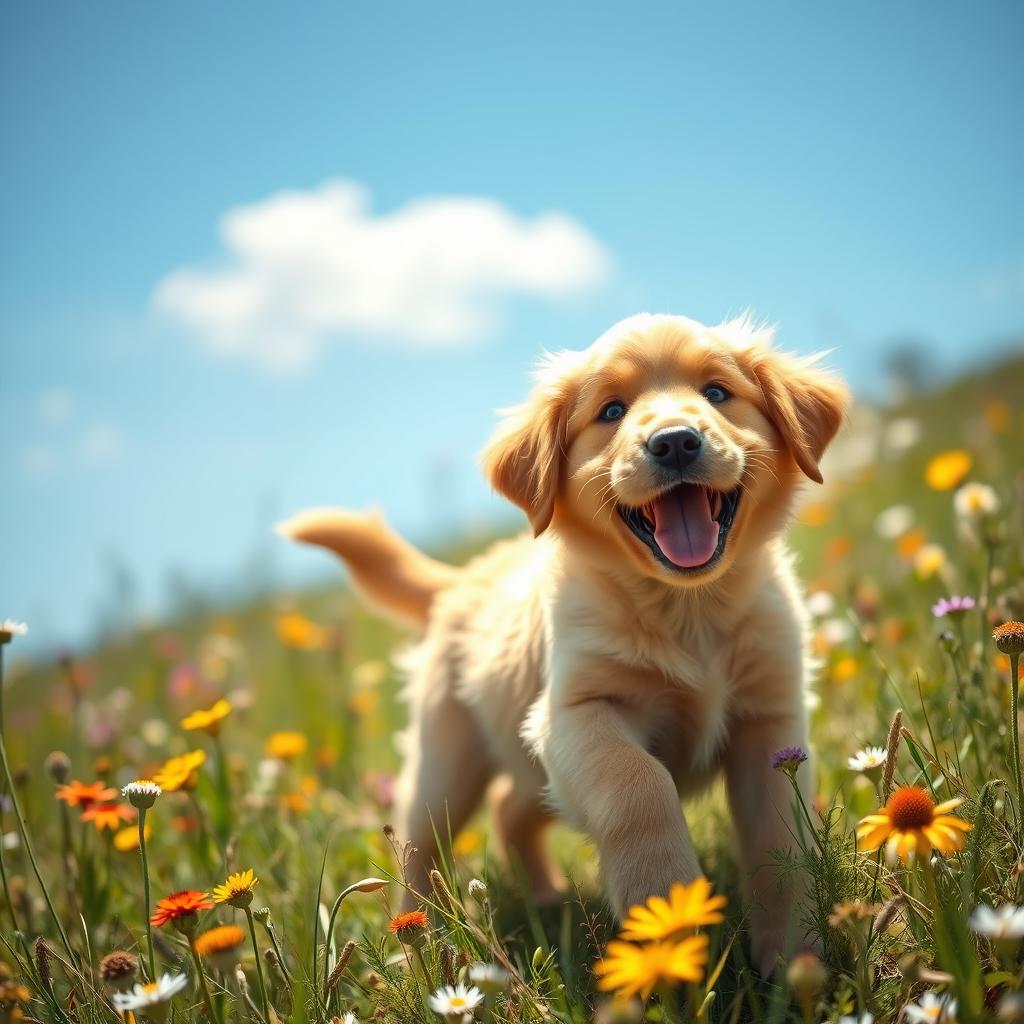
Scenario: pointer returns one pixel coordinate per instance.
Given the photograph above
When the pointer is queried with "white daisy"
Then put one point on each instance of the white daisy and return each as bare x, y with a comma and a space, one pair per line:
974, 501
864, 1018
931, 1009
870, 761
894, 521
489, 978
349, 1018
141, 794
902, 434
1005, 922
456, 1002
9, 629
143, 997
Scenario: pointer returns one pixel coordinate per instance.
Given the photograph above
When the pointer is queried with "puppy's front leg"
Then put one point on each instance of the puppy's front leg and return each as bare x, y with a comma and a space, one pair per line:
624, 798
763, 802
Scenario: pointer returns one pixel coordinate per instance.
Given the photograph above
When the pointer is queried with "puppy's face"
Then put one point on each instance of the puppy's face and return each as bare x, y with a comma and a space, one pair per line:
667, 445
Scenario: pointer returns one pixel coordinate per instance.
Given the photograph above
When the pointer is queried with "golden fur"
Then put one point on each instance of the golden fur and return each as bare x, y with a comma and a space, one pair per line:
577, 670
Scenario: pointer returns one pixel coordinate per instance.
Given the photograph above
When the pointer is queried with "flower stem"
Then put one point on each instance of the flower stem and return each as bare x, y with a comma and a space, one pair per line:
20, 819
259, 965
1015, 737
145, 893
202, 982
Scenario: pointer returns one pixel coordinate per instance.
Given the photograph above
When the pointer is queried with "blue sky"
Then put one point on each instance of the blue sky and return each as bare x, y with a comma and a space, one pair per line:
851, 172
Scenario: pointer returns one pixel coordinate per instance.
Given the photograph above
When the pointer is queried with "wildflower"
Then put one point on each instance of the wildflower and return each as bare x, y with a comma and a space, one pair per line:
477, 889
58, 766
118, 970
180, 772
151, 999
302, 634
975, 501
127, 839
929, 561
208, 721
870, 762
455, 1002
409, 928
108, 815
237, 889
806, 976
489, 978
349, 1018
931, 1009
1005, 923
953, 606
852, 911
221, 945
910, 824
686, 909
141, 794
285, 746
865, 1018
180, 909
78, 794
1009, 637
947, 469
820, 603
9, 629
788, 759
894, 521
635, 970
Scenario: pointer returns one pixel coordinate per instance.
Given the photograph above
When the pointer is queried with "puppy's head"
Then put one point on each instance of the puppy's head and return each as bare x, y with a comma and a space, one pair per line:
668, 445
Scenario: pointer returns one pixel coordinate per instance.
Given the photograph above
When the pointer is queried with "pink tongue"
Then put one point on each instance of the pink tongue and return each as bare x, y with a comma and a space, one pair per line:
683, 527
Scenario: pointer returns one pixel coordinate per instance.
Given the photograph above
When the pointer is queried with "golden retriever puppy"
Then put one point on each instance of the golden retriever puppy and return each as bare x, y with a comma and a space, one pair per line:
649, 635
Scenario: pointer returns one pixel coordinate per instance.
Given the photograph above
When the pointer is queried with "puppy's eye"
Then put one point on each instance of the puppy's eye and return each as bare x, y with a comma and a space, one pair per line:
612, 411
716, 394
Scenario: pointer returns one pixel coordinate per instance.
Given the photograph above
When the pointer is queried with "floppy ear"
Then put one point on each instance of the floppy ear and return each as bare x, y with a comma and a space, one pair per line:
805, 402
524, 459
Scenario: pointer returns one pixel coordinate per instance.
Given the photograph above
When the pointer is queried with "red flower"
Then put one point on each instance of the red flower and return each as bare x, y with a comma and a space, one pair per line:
108, 815
186, 903
407, 927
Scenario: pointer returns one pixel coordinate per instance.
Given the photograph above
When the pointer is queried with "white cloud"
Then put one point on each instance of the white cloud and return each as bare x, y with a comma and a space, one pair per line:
306, 267
56, 406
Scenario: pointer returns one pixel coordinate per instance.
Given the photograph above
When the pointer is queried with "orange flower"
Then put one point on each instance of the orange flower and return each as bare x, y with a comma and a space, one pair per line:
948, 469
107, 815
285, 746
911, 825
209, 720
221, 945
295, 630
408, 928
180, 906
78, 794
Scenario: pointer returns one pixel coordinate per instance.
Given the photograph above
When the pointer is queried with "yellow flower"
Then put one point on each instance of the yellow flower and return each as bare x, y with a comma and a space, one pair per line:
209, 720
687, 908
911, 825
845, 669
295, 630
998, 416
236, 889
947, 469
285, 746
468, 842
635, 970
929, 561
365, 702
180, 772
127, 839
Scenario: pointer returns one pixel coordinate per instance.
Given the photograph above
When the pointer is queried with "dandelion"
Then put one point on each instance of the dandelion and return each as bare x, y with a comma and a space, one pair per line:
788, 759
954, 607
931, 1009
9, 629
151, 999
78, 794
635, 970
208, 721
870, 762
686, 909
180, 772
929, 561
108, 815
221, 945
141, 794
236, 889
911, 825
118, 970
947, 469
1007, 922
286, 746
180, 909
455, 1002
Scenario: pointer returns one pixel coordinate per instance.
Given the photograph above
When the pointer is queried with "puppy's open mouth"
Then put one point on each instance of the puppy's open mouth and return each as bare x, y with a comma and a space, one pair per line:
686, 527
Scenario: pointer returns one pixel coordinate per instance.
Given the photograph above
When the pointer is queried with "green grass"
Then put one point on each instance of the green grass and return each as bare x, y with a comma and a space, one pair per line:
318, 827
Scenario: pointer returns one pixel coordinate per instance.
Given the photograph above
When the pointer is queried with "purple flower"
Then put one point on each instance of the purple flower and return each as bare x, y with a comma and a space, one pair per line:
953, 606
788, 759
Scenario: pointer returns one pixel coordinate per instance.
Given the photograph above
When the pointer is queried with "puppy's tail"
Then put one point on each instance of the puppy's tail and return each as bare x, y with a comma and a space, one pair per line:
392, 575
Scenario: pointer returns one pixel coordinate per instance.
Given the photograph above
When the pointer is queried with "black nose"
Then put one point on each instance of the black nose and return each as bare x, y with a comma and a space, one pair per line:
675, 446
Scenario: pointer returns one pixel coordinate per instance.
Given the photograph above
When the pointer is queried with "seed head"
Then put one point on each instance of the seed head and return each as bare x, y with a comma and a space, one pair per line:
1009, 637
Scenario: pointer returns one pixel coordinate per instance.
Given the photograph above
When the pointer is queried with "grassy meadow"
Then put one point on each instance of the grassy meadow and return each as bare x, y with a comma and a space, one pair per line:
287, 771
